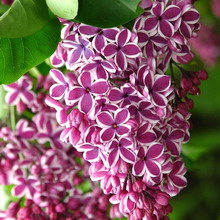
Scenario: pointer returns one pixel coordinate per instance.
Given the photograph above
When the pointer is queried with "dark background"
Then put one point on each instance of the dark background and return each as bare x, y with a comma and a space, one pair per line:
201, 199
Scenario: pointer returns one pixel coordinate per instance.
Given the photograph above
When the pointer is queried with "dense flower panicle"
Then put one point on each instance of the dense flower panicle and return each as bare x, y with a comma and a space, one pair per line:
119, 110
132, 125
43, 169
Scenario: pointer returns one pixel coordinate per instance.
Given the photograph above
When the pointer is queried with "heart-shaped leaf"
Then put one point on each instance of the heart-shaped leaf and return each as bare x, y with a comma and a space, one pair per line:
18, 55
23, 18
107, 13
65, 9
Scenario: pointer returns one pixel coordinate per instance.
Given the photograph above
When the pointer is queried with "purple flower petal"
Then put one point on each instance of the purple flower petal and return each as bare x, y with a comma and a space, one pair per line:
87, 54
172, 13
12, 98
85, 79
18, 191
121, 130
166, 29
162, 83
110, 33
127, 155
121, 61
107, 134
110, 50
159, 99
105, 119
153, 167
191, 17
147, 138
179, 181
91, 155
76, 93
86, 103
57, 76
113, 157
99, 42
88, 30
176, 135
115, 95
100, 87
139, 168
174, 147
142, 38
155, 151
157, 9
121, 116
27, 97
151, 23
185, 30
131, 50
74, 56
57, 91
123, 37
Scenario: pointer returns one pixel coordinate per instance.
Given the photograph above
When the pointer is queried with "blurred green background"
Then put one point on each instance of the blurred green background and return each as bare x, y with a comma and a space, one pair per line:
201, 199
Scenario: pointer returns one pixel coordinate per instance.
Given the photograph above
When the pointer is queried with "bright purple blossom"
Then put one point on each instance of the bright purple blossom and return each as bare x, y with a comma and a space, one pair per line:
20, 92
120, 149
113, 125
83, 94
149, 160
79, 51
101, 36
162, 18
24, 187
122, 49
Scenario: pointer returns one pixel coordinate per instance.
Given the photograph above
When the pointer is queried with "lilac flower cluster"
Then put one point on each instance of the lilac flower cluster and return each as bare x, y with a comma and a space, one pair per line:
45, 174
119, 108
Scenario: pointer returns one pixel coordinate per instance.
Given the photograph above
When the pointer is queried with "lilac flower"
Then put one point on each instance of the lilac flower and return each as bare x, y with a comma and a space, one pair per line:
149, 160
92, 153
102, 104
175, 179
126, 200
162, 19
83, 93
122, 49
150, 44
79, 52
145, 134
102, 68
190, 16
143, 110
113, 125
23, 131
59, 57
121, 149
157, 87
50, 133
58, 90
24, 187
20, 91
125, 95
101, 36
173, 140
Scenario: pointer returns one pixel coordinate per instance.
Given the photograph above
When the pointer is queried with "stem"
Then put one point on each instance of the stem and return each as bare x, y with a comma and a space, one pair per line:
171, 69
12, 117
35, 72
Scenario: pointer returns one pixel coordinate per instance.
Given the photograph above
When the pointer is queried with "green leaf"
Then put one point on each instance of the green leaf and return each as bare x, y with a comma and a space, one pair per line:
107, 13
65, 9
19, 55
3, 9
44, 68
24, 18
6, 197
4, 108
